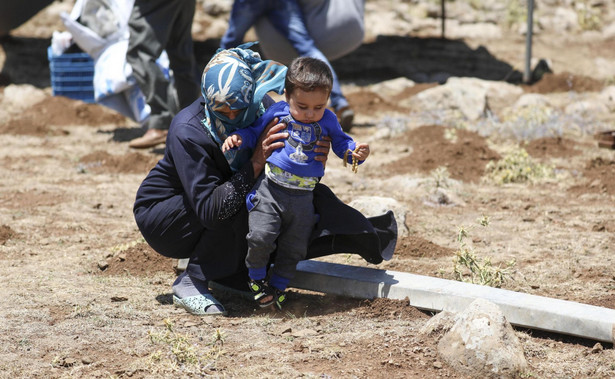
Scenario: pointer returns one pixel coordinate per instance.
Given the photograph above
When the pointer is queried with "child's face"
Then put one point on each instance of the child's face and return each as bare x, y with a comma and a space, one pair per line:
307, 107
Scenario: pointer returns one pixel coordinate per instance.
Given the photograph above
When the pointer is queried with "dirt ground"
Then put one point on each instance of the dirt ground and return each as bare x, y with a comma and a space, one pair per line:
86, 297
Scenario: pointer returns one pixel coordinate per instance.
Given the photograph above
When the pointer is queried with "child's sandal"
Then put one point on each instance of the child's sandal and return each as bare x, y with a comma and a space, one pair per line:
261, 290
279, 297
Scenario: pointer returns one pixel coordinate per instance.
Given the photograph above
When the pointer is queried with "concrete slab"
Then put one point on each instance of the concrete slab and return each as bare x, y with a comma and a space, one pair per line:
435, 294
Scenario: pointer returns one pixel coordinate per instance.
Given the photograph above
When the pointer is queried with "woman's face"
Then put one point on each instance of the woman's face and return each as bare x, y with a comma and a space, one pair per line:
307, 106
231, 114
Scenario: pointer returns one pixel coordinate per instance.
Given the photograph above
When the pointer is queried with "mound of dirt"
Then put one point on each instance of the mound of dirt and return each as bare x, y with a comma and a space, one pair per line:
133, 162
464, 153
138, 260
564, 82
6, 233
554, 147
600, 174
418, 247
60, 111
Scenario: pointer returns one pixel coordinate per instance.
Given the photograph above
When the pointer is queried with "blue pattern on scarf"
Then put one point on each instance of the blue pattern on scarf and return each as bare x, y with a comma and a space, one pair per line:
237, 78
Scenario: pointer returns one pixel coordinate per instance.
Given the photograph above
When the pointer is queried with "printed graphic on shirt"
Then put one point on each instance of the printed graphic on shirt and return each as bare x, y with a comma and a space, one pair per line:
289, 180
298, 155
305, 135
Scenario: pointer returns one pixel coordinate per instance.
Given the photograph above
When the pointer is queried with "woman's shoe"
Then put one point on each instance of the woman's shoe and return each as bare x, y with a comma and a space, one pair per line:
200, 305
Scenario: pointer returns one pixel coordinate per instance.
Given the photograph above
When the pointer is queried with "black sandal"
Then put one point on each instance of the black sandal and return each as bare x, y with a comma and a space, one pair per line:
261, 290
279, 297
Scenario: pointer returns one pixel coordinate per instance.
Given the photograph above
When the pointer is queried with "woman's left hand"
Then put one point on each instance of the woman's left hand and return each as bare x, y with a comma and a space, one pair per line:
271, 139
323, 146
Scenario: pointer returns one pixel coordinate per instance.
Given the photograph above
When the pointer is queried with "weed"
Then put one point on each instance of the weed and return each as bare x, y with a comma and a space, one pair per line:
180, 348
125, 246
469, 268
588, 17
450, 134
516, 12
181, 351
517, 167
440, 177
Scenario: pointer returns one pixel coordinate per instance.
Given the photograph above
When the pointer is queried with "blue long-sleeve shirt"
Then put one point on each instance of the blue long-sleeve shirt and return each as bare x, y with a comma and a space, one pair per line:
303, 135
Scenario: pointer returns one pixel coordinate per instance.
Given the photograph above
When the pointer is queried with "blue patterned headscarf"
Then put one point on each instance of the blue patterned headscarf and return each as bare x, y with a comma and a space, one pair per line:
237, 78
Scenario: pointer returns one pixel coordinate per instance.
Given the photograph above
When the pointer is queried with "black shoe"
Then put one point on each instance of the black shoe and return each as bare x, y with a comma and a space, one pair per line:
345, 116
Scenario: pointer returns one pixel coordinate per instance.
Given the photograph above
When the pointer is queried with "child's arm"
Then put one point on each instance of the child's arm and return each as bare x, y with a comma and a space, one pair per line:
250, 135
232, 141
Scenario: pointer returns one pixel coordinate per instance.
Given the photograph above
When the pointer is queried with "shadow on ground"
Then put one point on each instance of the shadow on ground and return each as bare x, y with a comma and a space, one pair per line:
423, 60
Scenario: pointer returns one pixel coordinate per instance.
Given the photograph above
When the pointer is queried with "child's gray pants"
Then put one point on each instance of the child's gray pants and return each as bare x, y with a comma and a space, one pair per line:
281, 218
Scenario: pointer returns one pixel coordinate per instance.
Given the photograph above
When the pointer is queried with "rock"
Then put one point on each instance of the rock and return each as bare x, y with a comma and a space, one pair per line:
103, 265
532, 100
22, 96
438, 325
608, 97
482, 343
391, 88
609, 31
467, 96
593, 106
375, 206
597, 348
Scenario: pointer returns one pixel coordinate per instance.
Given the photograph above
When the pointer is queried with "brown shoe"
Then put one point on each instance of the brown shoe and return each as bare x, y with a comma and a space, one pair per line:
345, 116
151, 138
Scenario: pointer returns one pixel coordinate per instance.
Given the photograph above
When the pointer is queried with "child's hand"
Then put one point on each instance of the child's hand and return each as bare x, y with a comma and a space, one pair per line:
361, 151
232, 141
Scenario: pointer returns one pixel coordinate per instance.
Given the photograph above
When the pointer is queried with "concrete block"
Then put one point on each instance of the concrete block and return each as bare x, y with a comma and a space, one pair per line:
435, 294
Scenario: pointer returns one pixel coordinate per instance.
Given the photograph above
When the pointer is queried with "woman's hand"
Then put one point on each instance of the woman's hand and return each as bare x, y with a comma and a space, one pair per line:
323, 146
271, 139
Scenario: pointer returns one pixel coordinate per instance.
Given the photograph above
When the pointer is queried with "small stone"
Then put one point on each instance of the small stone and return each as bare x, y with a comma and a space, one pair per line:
437, 364
103, 265
597, 348
68, 362
86, 360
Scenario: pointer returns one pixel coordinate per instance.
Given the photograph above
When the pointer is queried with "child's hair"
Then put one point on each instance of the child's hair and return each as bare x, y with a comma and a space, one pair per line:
308, 74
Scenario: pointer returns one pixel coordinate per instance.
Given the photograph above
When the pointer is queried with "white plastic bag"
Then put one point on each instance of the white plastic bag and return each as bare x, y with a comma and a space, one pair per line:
114, 85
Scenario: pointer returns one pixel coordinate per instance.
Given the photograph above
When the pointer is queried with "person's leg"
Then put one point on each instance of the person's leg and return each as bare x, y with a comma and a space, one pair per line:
149, 28
288, 19
298, 219
172, 229
264, 222
180, 50
244, 14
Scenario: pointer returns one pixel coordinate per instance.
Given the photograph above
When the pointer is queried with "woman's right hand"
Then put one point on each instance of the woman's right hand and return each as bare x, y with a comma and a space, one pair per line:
270, 140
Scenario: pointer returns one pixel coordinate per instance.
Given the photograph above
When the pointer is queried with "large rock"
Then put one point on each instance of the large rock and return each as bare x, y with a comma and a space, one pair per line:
482, 343
468, 96
372, 206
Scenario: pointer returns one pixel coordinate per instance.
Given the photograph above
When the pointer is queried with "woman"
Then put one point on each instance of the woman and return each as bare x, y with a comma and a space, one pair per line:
192, 204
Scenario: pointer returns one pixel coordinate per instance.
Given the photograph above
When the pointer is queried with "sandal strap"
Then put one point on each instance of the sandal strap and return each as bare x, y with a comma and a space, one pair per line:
280, 298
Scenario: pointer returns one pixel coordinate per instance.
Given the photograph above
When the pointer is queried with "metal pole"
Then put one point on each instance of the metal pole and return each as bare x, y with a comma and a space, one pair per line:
443, 21
527, 75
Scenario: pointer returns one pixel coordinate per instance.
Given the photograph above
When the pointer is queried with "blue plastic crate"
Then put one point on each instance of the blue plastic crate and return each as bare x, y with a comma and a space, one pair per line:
72, 75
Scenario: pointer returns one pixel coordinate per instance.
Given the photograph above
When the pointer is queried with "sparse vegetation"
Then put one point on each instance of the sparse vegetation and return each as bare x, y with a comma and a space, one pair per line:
588, 16
516, 12
517, 167
181, 352
469, 268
